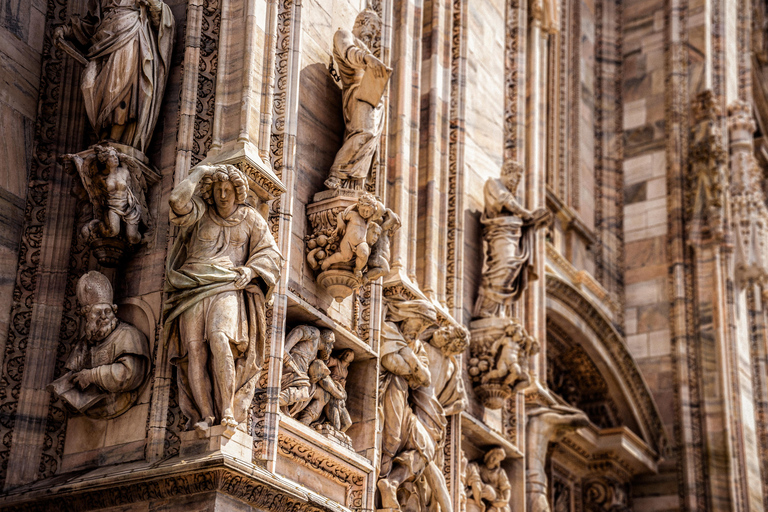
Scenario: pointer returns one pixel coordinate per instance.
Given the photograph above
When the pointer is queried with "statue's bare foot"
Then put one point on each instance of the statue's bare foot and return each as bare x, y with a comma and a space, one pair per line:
333, 182
229, 421
388, 493
203, 426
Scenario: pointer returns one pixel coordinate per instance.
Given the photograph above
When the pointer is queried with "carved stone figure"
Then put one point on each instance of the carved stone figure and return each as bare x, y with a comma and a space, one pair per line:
125, 46
413, 419
363, 80
463, 466
116, 185
108, 366
499, 366
545, 425
508, 230
329, 399
220, 274
355, 249
488, 484
303, 345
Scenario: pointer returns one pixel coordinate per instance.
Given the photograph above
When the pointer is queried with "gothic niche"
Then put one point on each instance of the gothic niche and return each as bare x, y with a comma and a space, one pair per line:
109, 364
313, 384
125, 48
351, 230
501, 348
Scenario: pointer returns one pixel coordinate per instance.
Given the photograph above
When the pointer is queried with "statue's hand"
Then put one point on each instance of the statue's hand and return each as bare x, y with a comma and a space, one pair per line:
378, 67
61, 33
246, 275
83, 379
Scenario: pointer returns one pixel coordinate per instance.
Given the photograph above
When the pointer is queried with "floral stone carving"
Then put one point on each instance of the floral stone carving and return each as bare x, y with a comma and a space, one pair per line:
109, 365
313, 384
220, 274
115, 183
487, 484
350, 240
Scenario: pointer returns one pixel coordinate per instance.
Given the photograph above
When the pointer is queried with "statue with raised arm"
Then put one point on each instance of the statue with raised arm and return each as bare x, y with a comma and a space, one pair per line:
363, 79
508, 230
220, 274
125, 46
108, 366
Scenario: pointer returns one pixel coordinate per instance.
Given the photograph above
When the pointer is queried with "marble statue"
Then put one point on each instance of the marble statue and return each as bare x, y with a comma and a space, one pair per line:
363, 80
116, 188
378, 261
220, 274
125, 46
463, 466
546, 425
447, 383
304, 345
508, 230
413, 419
488, 483
328, 405
108, 366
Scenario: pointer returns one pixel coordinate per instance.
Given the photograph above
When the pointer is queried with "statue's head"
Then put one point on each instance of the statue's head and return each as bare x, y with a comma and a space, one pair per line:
224, 187
510, 175
414, 316
108, 156
346, 356
94, 292
327, 339
367, 206
494, 457
451, 340
367, 25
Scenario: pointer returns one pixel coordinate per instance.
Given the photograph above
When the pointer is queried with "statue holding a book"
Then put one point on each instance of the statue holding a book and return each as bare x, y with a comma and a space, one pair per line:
363, 79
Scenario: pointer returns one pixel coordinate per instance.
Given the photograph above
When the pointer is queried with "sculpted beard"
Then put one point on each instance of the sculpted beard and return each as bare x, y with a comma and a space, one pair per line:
100, 328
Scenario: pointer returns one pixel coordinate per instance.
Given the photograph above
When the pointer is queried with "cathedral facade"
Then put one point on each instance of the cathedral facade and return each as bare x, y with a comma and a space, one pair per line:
384, 255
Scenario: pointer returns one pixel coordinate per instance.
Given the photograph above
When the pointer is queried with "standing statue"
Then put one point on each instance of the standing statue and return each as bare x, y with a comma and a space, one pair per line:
220, 273
508, 230
413, 419
489, 483
108, 366
545, 425
125, 46
363, 80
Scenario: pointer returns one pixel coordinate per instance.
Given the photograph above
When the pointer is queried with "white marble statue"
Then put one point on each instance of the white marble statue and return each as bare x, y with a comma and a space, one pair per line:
363, 79
508, 230
220, 274
304, 345
125, 46
488, 484
413, 419
107, 367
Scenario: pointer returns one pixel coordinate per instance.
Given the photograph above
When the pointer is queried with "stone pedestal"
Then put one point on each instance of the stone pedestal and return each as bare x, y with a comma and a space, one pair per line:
217, 440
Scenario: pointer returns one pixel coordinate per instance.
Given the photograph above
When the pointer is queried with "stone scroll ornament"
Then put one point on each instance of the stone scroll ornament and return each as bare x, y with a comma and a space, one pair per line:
501, 347
125, 48
487, 484
350, 243
413, 420
313, 384
109, 364
220, 275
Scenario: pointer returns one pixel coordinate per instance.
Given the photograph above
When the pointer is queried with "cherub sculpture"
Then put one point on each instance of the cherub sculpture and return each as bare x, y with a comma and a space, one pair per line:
507, 363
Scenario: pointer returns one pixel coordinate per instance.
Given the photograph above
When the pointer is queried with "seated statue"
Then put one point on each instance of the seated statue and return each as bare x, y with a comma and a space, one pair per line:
108, 366
489, 483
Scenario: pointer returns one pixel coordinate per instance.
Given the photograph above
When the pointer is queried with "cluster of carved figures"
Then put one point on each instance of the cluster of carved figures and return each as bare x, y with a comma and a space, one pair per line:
225, 263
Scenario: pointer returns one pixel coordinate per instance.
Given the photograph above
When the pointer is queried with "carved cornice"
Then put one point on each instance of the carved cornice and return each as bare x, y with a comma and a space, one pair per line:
649, 419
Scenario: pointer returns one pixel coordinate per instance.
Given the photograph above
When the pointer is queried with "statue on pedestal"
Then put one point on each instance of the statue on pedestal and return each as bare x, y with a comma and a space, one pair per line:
488, 483
220, 274
108, 366
363, 79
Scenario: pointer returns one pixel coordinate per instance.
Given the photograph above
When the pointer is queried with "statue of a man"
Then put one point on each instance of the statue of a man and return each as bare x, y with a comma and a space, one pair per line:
362, 102
109, 364
489, 482
125, 46
508, 230
220, 274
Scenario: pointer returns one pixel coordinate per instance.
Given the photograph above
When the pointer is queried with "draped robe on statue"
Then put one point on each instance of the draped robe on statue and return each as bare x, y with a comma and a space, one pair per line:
201, 274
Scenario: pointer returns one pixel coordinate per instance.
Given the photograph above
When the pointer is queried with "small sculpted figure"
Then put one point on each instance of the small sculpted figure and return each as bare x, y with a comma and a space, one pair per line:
363, 79
125, 46
507, 361
378, 261
335, 410
358, 230
546, 425
489, 482
304, 345
413, 419
107, 367
220, 274
508, 230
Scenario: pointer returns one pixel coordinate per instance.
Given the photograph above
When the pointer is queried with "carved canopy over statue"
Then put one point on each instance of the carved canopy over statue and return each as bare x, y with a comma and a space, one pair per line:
108, 366
125, 46
220, 274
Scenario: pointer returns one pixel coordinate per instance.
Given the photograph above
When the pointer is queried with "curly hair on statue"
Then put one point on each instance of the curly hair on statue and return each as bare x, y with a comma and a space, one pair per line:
221, 173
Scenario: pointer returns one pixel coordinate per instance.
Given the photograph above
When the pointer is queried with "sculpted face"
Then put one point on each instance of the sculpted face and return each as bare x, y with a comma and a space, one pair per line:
100, 321
224, 197
365, 28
